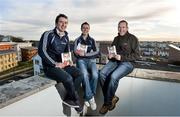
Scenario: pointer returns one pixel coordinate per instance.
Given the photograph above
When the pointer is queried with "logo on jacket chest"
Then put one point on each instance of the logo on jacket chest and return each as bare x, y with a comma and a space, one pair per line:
124, 46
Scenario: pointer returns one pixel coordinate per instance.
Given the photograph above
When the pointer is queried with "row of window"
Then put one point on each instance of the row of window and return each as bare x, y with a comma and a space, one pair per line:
8, 60
5, 67
8, 55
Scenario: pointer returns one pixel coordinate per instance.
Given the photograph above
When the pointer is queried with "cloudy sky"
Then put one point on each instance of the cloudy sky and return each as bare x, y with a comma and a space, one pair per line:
152, 20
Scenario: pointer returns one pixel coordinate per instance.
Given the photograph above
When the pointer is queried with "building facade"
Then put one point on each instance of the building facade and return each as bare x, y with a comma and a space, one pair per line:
8, 60
22, 45
28, 53
8, 55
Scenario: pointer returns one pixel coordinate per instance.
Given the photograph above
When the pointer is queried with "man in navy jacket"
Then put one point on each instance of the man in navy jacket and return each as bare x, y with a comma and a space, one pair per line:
52, 44
86, 62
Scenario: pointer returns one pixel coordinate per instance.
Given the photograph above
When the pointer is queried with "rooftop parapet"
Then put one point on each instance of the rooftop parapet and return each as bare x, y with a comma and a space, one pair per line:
15, 91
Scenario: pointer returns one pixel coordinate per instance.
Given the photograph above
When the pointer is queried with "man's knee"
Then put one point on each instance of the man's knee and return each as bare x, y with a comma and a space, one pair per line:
115, 78
95, 75
68, 79
102, 75
85, 73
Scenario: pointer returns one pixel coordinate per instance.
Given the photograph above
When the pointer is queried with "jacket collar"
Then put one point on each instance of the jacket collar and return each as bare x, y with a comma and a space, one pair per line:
56, 32
88, 37
127, 33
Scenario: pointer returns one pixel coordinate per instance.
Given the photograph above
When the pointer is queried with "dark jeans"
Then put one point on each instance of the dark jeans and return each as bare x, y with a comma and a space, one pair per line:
110, 75
70, 76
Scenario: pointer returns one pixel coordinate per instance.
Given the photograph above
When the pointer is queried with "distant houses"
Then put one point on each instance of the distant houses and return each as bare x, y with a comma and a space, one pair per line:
150, 51
156, 51
13, 50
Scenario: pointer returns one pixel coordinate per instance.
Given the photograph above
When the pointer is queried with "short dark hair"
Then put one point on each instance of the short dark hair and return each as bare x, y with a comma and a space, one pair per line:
60, 15
123, 21
85, 23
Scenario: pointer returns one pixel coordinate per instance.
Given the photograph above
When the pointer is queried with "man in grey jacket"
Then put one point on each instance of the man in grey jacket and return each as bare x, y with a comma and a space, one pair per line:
119, 65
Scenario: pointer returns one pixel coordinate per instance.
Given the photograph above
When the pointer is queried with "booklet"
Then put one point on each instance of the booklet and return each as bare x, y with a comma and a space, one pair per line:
82, 47
66, 58
112, 50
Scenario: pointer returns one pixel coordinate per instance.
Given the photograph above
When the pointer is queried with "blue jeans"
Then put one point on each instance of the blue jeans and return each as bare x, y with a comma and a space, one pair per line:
90, 79
70, 76
110, 75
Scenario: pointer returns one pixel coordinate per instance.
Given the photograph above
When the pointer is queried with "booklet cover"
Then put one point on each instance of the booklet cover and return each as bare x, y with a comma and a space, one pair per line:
82, 47
112, 50
66, 58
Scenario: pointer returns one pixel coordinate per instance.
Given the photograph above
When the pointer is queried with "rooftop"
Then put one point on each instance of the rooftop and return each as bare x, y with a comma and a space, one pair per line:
7, 52
138, 97
29, 48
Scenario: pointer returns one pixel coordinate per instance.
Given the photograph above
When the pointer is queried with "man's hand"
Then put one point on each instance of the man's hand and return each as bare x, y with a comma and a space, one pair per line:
80, 53
110, 56
118, 57
60, 65
70, 63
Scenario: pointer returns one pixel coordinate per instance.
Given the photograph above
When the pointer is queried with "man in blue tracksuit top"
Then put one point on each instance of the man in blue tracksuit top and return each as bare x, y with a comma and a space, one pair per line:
86, 51
52, 44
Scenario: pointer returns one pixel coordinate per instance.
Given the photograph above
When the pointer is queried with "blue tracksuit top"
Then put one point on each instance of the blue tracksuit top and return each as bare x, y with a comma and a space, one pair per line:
51, 46
92, 49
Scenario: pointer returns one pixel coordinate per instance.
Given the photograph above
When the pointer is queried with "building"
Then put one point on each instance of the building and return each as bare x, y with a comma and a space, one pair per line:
35, 43
155, 51
28, 53
15, 46
8, 59
4, 46
37, 65
8, 55
22, 45
174, 54
18, 40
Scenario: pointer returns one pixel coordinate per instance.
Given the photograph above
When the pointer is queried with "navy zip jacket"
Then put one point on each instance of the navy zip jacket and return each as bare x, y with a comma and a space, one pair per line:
92, 49
51, 46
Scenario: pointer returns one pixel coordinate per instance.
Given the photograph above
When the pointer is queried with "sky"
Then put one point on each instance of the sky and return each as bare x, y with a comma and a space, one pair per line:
149, 20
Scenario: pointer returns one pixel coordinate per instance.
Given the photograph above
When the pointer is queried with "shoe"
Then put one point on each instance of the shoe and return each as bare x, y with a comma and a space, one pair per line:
79, 110
104, 109
87, 103
92, 103
71, 103
114, 101
85, 109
